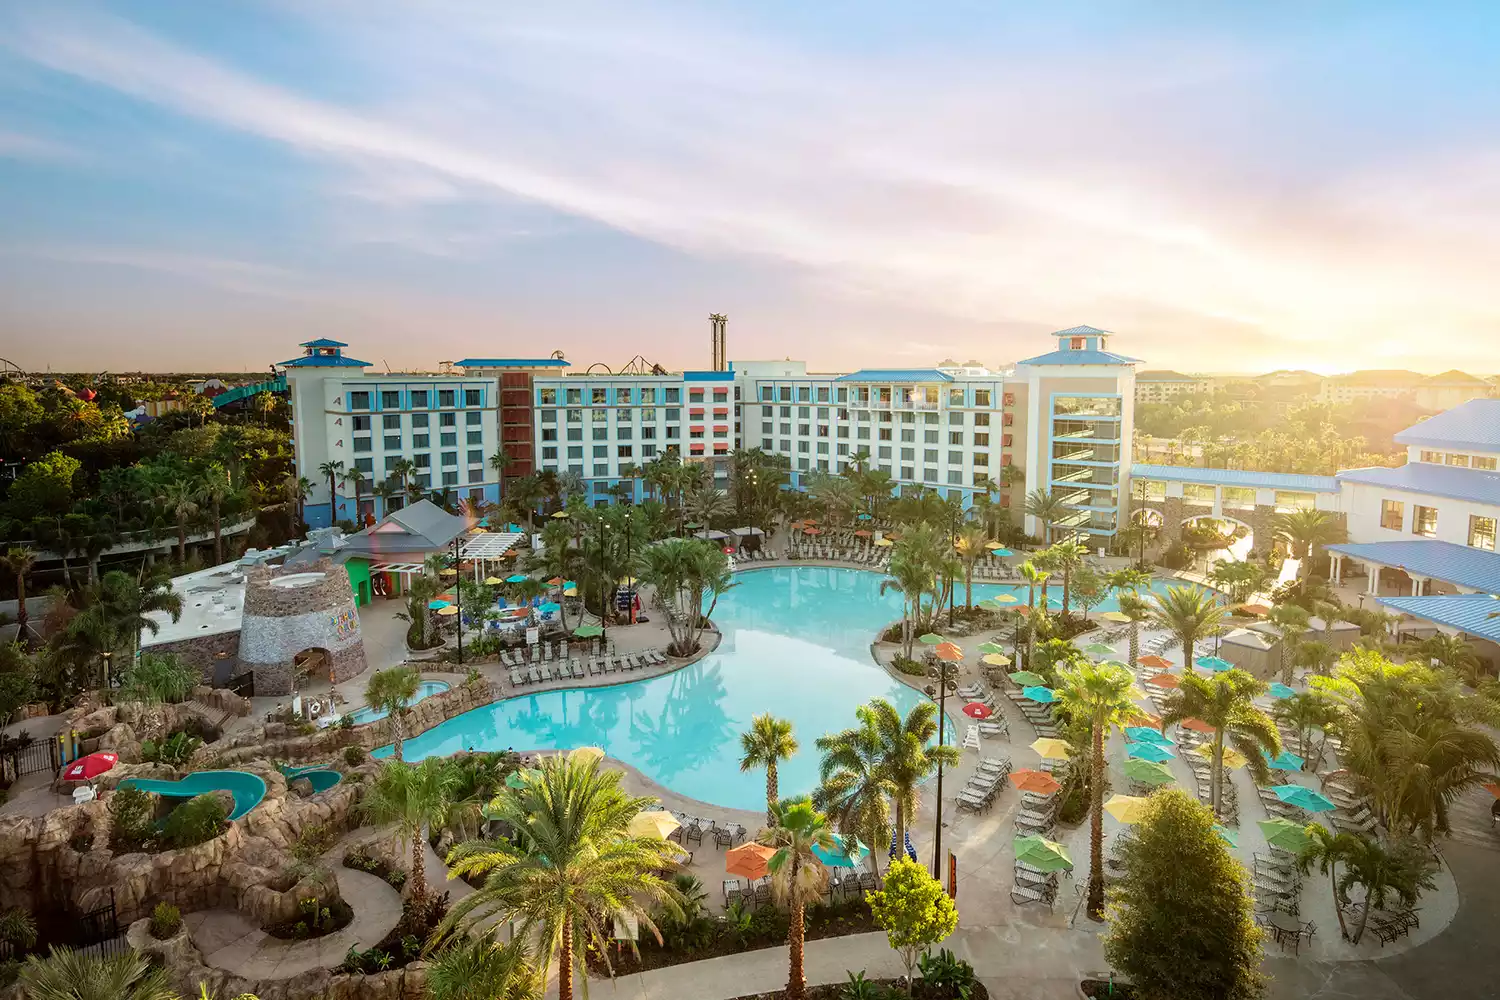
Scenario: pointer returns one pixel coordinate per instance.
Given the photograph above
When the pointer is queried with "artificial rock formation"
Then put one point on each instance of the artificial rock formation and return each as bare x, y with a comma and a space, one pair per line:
293, 609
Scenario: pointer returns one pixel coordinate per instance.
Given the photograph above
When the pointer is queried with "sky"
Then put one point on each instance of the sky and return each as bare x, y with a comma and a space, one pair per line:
1227, 187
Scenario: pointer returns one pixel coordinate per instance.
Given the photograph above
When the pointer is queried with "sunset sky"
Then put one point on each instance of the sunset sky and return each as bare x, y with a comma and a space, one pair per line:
190, 185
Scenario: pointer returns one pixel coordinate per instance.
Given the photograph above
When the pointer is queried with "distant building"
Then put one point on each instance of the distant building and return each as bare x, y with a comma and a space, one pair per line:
1450, 389
1162, 386
1375, 384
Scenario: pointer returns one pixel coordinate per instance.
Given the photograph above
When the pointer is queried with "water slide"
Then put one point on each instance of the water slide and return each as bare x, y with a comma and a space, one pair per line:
248, 789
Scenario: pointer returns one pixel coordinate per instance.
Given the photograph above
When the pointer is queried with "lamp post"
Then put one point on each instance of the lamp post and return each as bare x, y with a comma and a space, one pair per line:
942, 703
630, 604
1141, 526
604, 588
952, 538
458, 599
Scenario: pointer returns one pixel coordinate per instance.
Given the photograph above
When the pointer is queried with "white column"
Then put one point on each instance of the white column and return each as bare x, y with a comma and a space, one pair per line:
1372, 576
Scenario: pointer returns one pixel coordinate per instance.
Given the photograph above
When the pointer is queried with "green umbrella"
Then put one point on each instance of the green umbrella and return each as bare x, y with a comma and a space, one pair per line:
991, 647
1039, 852
586, 631
1099, 649
1230, 837
1283, 833
1026, 678
1148, 772
930, 639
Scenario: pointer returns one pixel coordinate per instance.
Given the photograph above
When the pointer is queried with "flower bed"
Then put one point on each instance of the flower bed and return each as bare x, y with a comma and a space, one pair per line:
379, 867
403, 945
315, 920
879, 989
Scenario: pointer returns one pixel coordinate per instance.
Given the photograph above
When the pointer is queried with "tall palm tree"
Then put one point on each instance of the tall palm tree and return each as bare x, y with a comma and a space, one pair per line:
1189, 614
707, 505
1430, 765
906, 758
970, 546
356, 478
1289, 622
214, 490
797, 877
1326, 849
264, 403
403, 469
1069, 556
1402, 869
415, 797
66, 974
500, 461
1452, 652
391, 691
1097, 694
298, 489
131, 603
333, 471
483, 969
1305, 532
1047, 507
1316, 657
18, 561
1304, 712
180, 497
573, 861
913, 577
1034, 575
854, 792
92, 635
766, 743
559, 560
1227, 703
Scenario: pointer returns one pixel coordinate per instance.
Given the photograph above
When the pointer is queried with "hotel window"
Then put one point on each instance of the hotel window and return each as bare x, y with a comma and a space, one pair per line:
361, 424
450, 458
393, 442
672, 395
624, 451
549, 454
575, 451
424, 480
649, 450
599, 416
767, 394
1424, 521
981, 397
648, 414
907, 434
672, 431
804, 429
476, 475
648, 395
359, 400
956, 437
885, 433
445, 397
549, 397
476, 456
843, 431
362, 444
955, 458
863, 433
908, 454
804, 394
955, 397
575, 433
474, 437
1480, 462
420, 440
575, 396
1482, 532
597, 396
450, 478
391, 421
622, 397
929, 437
981, 459
549, 433
390, 400
982, 440
549, 416
472, 419
624, 433
648, 433
448, 439
419, 399
365, 464
1392, 514
419, 420
601, 451
448, 419
422, 461
981, 420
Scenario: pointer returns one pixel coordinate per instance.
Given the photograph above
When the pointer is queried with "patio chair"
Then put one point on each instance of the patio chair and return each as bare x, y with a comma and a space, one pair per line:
535, 673
723, 837
763, 891
693, 833
576, 668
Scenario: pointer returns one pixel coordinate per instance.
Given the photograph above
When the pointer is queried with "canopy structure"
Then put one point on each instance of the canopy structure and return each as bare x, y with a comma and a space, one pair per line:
490, 545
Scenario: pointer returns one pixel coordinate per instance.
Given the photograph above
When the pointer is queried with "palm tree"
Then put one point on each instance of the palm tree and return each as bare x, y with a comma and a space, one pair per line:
92, 634
1316, 657
333, 471
500, 461
1047, 507
573, 862
766, 743
906, 758
357, 479
1227, 703
18, 561
912, 577
263, 403
180, 496
707, 505
1288, 621
66, 974
558, 559
970, 546
391, 691
416, 797
1404, 869
854, 792
1452, 652
1304, 712
1305, 531
1432, 764
1033, 575
403, 469
483, 969
1097, 694
131, 603
1189, 614
298, 489
797, 877
215, 489
1069, 556
1327, 849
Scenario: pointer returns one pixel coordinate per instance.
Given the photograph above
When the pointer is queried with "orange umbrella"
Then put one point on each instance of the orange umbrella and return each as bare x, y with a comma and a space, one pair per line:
1493, 788
894, 536
1147, 719
554, 581
948, 651
1028, 780
1255, 609
812, 531
443, 597
1196, 725
1155, 662
862, 533
1163, 680
750, 860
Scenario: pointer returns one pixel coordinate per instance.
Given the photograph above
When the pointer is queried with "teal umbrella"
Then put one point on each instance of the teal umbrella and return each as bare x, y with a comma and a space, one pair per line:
436, 605
865, 517
517, 578
1149, 751
849, 853
1001, 552
1214, 663
1304, 798
1284, 761
1280, 690
1044, 695
1229, 836
1149, 735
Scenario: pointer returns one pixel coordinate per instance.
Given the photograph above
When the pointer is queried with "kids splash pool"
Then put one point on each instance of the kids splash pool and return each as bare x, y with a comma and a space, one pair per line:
795, 643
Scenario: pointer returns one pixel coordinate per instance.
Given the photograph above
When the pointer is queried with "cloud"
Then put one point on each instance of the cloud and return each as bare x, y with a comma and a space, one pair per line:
19, 146
1025, 190
247, 277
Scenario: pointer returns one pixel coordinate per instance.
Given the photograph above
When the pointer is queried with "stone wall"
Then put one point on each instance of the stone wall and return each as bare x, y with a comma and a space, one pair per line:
289, 609
212, 655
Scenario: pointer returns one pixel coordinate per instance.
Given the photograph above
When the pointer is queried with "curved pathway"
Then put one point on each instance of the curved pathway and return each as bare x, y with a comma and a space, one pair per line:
229, 941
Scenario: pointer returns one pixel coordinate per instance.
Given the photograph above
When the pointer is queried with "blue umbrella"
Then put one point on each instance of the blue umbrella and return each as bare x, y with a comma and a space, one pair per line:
849, 854
435, 605
1304, 798
549, 607
1280, 690
517, 578
866, 517
1148, 735
1154, 752
1041, 694
1214, 663
1001, 553
1284, 761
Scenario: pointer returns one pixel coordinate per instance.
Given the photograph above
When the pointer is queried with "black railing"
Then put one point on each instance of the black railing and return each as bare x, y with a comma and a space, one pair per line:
29, 756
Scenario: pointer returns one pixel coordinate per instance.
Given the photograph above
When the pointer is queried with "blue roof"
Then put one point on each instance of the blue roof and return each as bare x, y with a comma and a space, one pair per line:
1446, 561
1080, 357
1438, 480
708, 376
896, 375
323, 342
512, 363
1082, 331
1474, 425
324, 361
1236, 477
1466, 612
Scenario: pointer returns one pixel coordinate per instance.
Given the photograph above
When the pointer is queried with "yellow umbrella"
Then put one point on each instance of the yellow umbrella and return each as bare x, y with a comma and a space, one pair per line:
561, 513
1136, 692
571, 592
627, 581
1052, 749
996, 659
585, 753
493, 581
449, 610
1126, 808
652, 823
1232, 757
450, 571
884, 542
1115, 616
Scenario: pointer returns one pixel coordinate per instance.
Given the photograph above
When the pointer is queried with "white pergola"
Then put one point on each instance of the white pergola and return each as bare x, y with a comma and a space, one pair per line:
490, 545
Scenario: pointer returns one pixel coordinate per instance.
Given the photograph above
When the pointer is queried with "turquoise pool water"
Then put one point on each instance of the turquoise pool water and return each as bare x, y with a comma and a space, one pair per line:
320, 776
248, 789
796, 643
424, 690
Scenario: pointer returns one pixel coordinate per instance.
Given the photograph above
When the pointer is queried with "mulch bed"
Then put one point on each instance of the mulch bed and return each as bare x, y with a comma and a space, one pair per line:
895, 988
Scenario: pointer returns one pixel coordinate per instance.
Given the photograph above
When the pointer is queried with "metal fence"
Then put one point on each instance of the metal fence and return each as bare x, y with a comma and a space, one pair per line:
30, 757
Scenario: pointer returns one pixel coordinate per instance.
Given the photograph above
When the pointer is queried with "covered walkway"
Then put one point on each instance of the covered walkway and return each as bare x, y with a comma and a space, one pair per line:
1467, 570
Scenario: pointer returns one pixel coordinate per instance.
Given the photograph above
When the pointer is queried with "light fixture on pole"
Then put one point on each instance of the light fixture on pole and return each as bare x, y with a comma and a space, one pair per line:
458, 598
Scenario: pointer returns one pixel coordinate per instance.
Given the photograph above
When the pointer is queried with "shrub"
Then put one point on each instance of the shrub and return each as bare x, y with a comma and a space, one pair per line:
913, 910
908, 666
946, 974
314, 840
130, 814
354, 756
196, 820
166, 919
18, 929
175, 750
157, 678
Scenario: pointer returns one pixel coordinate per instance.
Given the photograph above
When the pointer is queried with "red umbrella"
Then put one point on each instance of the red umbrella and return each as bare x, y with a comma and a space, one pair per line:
728, 551
1196, 725
978, 710
90, 767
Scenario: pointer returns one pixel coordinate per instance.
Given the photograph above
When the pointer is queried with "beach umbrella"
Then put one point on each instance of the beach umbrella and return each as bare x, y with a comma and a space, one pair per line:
493, 581
1196, 725
1051, 748
1126, 808
1164, 680
849, 853
1039, 852
862, 533
1255, 609
1217, 664
587, 631
1284, 834
1232, 758
996, 659
865, 517
1001, 602
1303, 798
1147, 735
1280, 690
1155, 662
652, 823
930, 639
1025, 678
1493, 788
1148, 772
749, 860
1284, 761
586, 753
555, 581
447, 611
517, 578
1099, 649
448, 571
628, 581
549, 607
810, 520
991, 647
1136, 691
884, 543
812, 531
948, 653
1115, 616
570, 591
1036, 692
1229, 836
978, 710
1001, 552
89, 767
1154, 752
436, 605
1039, 782
445, 597
560, 514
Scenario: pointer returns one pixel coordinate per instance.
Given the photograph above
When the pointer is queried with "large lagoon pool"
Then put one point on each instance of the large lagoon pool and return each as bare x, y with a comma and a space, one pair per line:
796, 643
